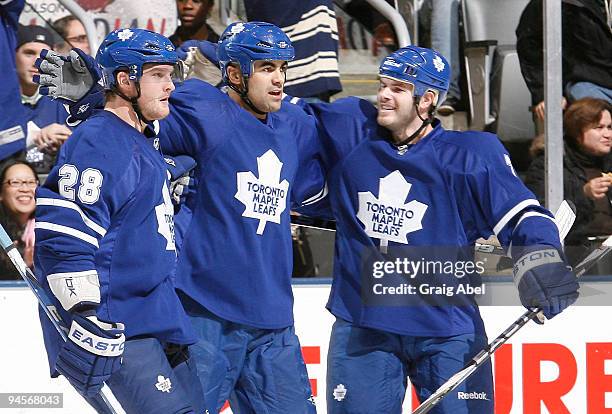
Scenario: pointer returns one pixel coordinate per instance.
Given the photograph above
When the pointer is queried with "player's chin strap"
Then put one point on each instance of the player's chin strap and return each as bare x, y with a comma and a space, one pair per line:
134, 102
244, 95
426, 122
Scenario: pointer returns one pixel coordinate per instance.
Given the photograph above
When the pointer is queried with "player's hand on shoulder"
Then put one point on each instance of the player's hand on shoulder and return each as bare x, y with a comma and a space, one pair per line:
92, 353
180, 176
544, 279
206, 48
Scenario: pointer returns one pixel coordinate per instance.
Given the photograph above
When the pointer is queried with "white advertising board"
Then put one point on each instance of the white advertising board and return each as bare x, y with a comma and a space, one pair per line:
562, 367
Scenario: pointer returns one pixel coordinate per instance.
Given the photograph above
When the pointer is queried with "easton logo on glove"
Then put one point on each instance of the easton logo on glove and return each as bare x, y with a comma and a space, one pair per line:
532, 260
96, 344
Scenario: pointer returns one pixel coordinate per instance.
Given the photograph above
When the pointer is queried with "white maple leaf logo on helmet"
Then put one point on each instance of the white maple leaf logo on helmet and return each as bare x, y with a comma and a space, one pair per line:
125, 34
439, 63
239, 27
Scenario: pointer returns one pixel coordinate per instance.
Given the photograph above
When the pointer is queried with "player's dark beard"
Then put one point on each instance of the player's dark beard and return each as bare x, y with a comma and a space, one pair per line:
425, 122
244, 95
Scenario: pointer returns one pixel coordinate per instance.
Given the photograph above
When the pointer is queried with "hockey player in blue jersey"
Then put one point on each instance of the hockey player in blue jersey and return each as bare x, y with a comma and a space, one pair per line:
105, 243
13, 122
234, 269
459, 186
402, 187
256, 160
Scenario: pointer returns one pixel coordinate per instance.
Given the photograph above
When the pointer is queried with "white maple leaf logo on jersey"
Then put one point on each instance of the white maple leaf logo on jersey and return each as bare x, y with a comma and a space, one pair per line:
165, 219
388, 217
438, 63
264, 198
339, 392
163, 384
125, 34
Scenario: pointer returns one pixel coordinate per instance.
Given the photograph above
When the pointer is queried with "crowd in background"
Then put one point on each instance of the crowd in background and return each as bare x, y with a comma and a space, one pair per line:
28, 151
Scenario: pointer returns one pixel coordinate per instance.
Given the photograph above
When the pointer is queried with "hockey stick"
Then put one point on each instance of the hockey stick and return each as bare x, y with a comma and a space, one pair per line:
42, 297
564, 219
454, 381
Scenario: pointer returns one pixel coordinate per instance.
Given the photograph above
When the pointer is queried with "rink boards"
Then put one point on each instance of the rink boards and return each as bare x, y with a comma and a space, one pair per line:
564, 366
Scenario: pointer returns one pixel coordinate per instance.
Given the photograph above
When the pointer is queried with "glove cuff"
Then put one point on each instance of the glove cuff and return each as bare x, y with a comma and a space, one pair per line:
533, 259
95, 344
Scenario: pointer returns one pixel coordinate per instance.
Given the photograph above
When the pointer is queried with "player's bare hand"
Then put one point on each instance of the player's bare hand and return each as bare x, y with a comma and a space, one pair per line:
597, 187
51, 137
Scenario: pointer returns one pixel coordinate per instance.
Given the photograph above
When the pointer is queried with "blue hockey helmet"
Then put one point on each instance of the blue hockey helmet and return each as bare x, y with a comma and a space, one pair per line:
244, 43
425, 69
130, 49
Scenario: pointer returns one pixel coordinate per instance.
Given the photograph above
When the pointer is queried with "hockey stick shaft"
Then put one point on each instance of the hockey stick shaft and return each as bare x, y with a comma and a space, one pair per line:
43, 299
454, 381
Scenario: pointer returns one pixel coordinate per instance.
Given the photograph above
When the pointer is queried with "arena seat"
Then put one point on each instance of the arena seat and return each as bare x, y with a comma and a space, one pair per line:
498, 96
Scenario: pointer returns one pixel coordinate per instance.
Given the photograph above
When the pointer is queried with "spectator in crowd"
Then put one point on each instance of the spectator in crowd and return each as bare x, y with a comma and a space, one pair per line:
445, 40
72, 33
18, 183
193, 15
372, 20
313, 31
587, 163
587, 51
46, 128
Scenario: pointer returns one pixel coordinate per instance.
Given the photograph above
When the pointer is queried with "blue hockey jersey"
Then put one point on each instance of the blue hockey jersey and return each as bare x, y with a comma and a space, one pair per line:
105, 209
236, 256
12, 121
448, 189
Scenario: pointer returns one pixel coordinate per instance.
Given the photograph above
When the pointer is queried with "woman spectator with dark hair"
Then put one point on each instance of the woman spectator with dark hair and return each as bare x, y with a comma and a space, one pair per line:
17, 204
587, 163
